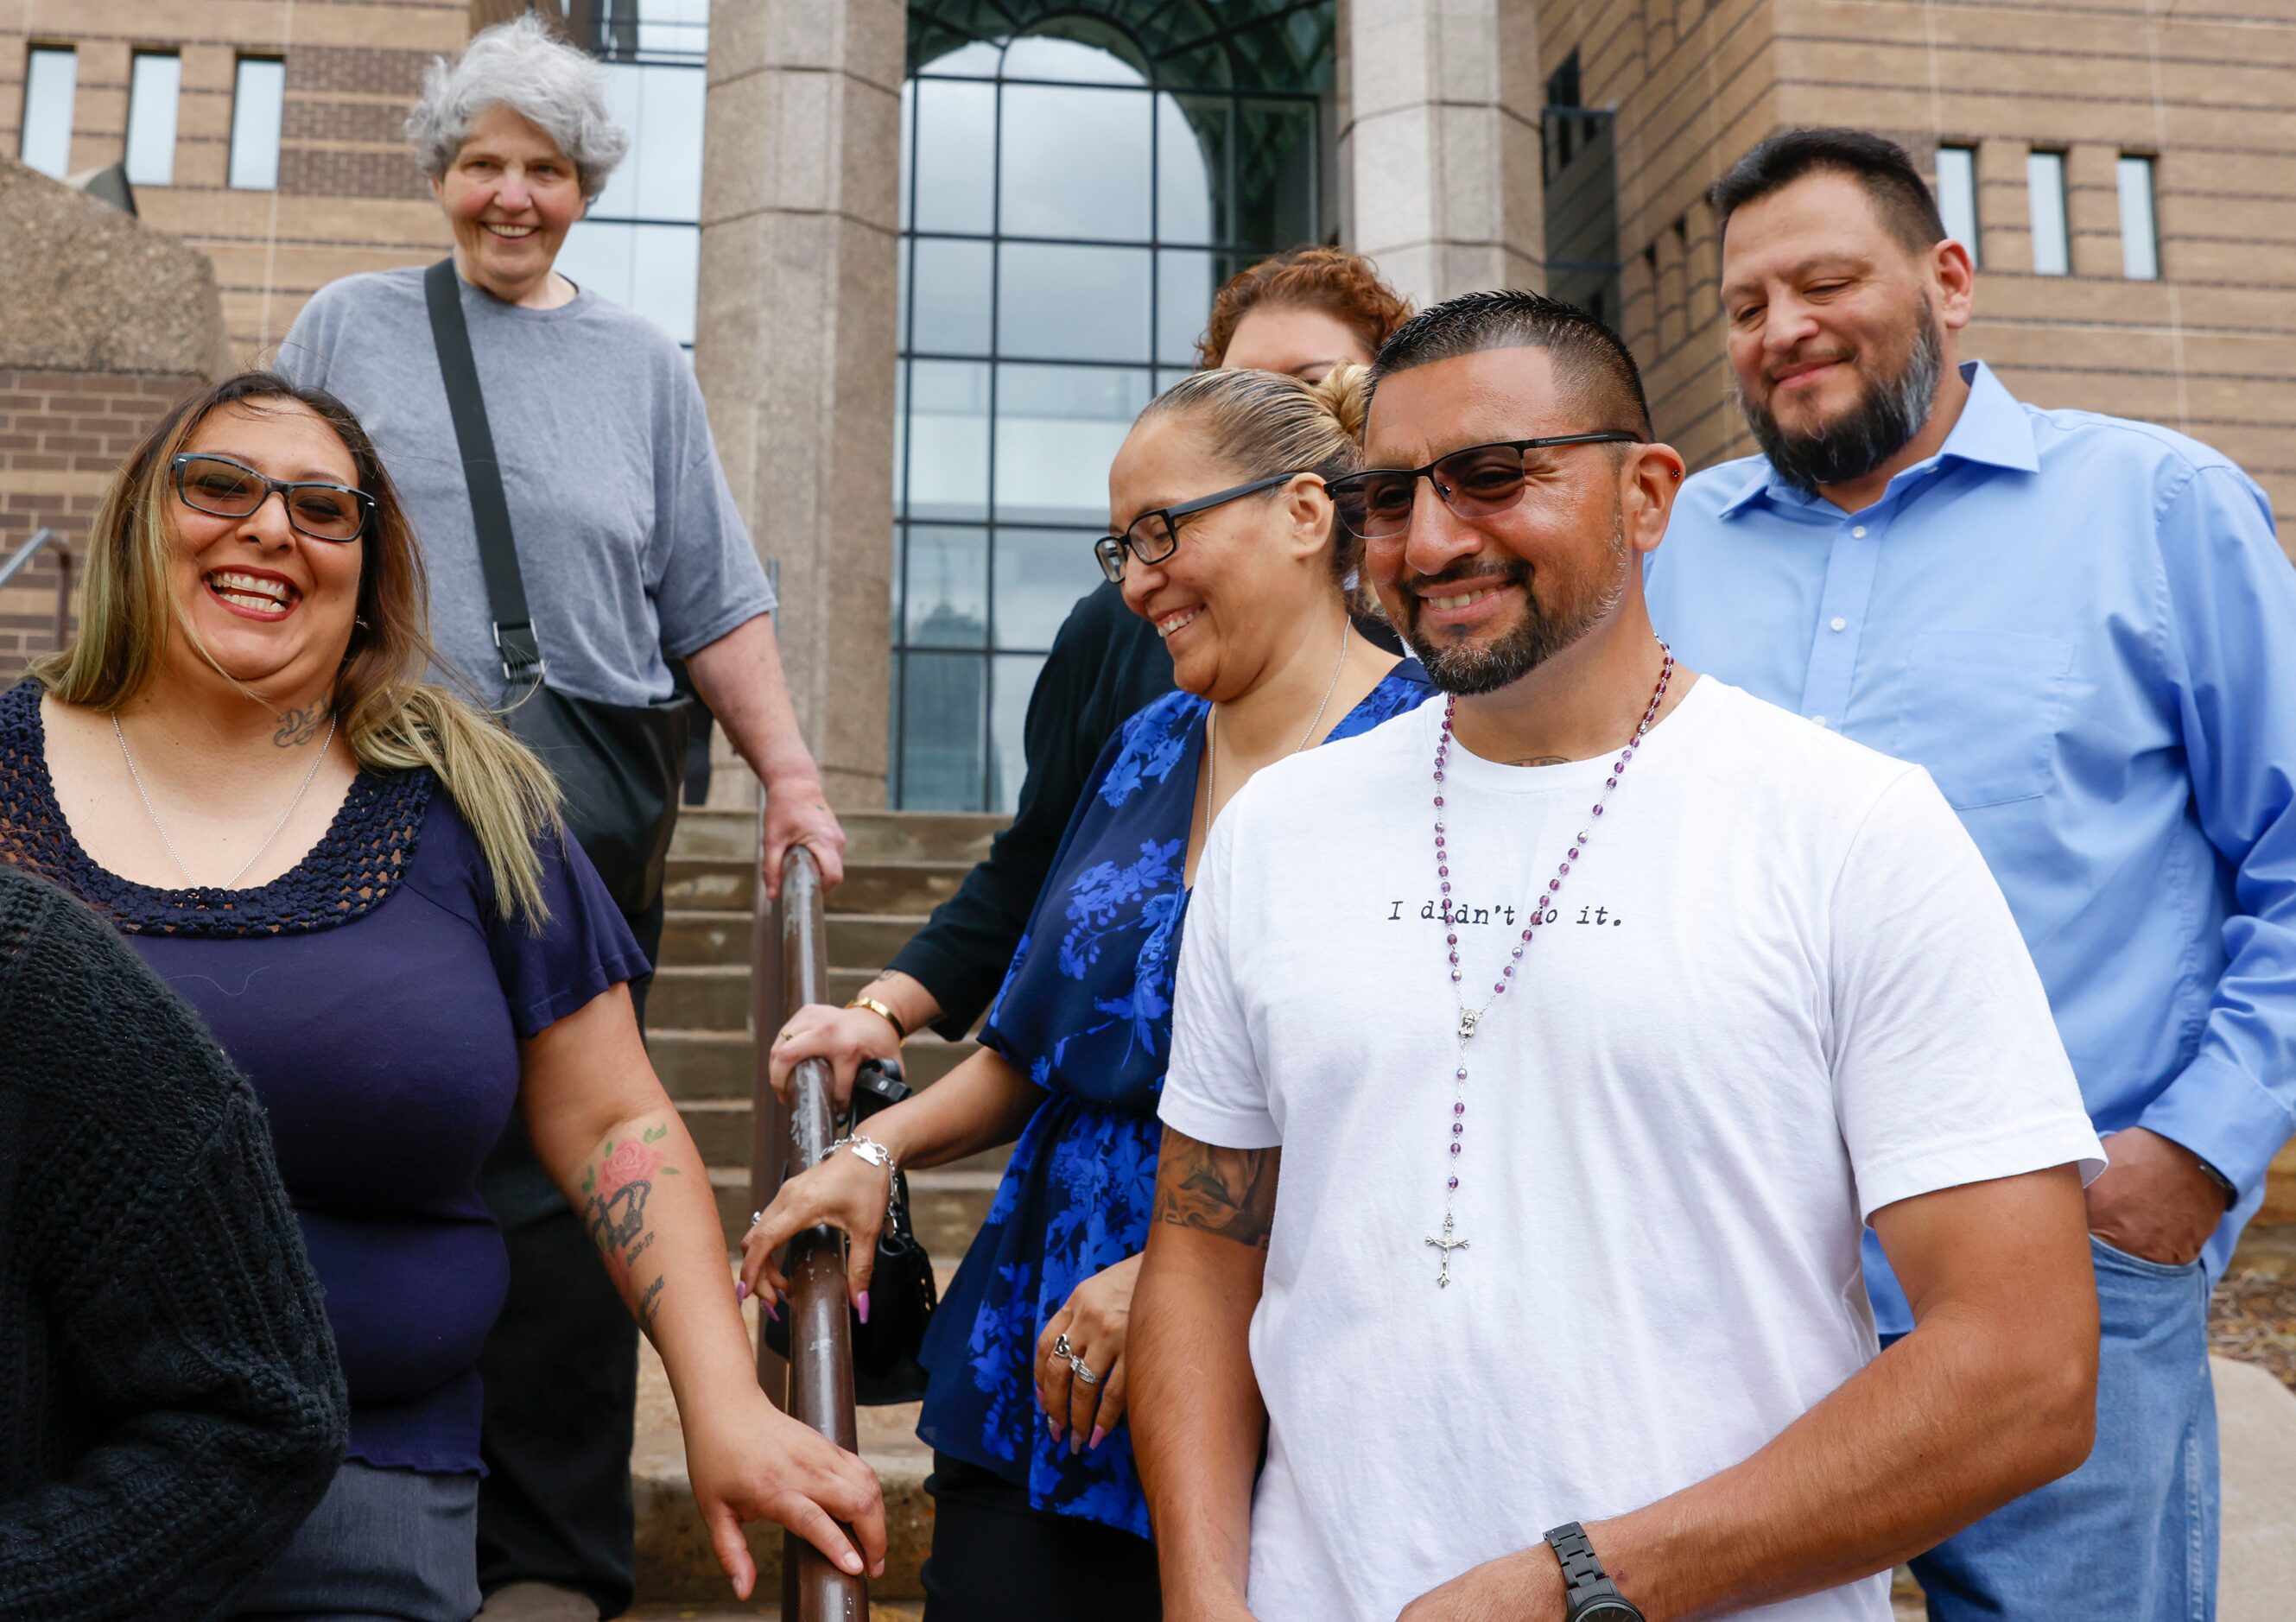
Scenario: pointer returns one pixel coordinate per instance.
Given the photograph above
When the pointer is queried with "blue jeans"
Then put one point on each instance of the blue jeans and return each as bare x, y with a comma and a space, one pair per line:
2131, 1535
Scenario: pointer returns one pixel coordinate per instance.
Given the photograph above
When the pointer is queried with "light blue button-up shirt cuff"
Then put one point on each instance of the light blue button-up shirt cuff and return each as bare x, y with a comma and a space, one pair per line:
2218, 1110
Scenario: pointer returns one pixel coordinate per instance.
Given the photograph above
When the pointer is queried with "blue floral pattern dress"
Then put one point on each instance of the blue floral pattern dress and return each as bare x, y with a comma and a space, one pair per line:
1086, 1012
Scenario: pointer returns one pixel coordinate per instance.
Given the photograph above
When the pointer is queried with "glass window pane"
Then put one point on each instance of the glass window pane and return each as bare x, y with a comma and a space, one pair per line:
660, 179
1069, 61
893, 618
256, 99
978, 60
673, 28
955, 154
1184, 285
49, 80
1058, 427
1075, 163
1072, 303
948, 594
944, 704
596, 257
153, 85
1191, 146
901, 453
1008, 713
2045, 188
951, 308
908, 148
949, 439
655, 270
1273, 174
1040, 574
2140, 240
1957, 195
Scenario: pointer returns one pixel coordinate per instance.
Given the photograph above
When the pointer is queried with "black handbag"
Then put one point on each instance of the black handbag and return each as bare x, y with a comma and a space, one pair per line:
620, 766
902, 1294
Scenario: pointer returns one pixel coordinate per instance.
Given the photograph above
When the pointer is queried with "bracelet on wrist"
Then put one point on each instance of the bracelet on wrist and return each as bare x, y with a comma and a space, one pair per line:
900, 1031
869, 1149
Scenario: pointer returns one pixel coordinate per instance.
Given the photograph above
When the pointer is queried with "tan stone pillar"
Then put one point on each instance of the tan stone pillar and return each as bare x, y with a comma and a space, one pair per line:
1439, 142
795, 346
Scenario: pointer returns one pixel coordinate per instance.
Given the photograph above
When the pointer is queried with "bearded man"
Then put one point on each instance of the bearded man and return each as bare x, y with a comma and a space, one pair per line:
2086, 631
1536, 1059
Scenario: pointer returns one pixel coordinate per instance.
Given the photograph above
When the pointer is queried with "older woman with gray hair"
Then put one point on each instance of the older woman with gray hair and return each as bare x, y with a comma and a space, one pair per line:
601, 503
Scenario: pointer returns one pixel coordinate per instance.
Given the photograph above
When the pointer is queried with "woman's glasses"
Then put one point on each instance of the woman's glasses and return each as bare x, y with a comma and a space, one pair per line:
1152, 536
225, 489
1476, 482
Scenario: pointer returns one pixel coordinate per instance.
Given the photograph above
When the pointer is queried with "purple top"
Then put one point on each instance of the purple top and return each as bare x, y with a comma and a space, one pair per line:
376, 999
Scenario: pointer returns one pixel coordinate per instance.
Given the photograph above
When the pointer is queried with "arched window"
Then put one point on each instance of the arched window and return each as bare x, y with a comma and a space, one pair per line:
1073, 189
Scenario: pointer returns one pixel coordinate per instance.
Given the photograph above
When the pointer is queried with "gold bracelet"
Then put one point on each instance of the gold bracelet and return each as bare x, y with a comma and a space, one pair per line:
900, 1031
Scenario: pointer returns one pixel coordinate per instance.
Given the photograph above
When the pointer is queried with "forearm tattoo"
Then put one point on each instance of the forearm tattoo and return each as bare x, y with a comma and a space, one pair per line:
1227, 1192
297, 727
617, 1187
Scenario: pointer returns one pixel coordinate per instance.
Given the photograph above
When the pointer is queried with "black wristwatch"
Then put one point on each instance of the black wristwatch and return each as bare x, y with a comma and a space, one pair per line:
1590, 1595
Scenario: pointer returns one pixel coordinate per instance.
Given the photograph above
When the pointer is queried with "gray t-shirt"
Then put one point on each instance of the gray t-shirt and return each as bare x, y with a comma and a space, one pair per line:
627, 538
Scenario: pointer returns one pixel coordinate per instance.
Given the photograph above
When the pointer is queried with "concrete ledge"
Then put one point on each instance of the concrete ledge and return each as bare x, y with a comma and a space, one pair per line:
2255, 1428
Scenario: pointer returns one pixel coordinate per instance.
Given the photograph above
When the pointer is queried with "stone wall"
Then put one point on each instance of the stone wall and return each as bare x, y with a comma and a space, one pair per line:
2208, 349
106, 324
348, 197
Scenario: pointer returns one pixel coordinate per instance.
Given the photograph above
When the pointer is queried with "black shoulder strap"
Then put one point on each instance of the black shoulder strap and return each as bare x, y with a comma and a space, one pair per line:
514, 639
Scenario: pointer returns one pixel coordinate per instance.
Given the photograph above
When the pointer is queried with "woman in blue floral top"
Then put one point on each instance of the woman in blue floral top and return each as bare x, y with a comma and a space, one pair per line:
1226, 543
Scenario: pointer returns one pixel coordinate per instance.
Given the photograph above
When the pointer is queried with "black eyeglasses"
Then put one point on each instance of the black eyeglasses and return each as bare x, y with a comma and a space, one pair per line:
1476, 482
225, 489
1152, 536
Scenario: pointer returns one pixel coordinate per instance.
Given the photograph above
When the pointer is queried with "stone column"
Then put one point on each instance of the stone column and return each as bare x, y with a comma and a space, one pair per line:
1439, 142
796, 341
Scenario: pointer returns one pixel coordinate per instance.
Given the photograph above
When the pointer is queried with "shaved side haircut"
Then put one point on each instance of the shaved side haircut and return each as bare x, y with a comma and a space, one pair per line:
1901, 196
1587, 356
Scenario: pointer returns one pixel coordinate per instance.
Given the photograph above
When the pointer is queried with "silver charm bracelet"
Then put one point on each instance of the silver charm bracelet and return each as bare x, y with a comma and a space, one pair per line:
877, 1155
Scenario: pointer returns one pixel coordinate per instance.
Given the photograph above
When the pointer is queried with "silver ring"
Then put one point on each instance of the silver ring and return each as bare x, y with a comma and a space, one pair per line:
1077, 1365
1082, 1372
1061, 1347
756, 1218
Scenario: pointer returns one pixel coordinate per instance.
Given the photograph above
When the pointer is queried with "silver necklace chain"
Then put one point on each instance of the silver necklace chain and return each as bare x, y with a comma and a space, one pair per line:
1211, 724
144, 794
1542, 910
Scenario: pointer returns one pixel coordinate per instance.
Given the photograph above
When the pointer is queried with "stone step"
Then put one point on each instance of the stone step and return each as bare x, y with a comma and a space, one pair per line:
695, 1064
870, 836
677, 1567
947, 1204
716, 996
729, 884
696, 936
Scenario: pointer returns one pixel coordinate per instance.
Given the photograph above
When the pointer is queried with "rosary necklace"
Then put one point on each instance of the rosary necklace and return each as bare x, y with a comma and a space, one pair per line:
231, 882
1542, 911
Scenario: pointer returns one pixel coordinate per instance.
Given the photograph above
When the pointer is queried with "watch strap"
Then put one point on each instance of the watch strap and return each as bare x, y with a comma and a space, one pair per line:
1584, 1580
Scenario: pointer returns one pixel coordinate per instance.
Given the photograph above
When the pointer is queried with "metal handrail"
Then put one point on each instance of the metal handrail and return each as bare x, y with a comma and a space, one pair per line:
13, 565
789, 959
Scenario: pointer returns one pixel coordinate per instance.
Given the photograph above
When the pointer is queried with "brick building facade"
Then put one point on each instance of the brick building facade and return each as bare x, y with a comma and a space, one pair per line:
2208, 94
346, 198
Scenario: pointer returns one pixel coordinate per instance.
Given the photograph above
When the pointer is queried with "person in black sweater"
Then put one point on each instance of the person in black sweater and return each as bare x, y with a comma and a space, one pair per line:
1302, 312
173, 1407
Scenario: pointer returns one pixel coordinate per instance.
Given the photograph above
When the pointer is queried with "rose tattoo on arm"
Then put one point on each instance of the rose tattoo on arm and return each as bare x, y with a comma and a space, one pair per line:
615, 1190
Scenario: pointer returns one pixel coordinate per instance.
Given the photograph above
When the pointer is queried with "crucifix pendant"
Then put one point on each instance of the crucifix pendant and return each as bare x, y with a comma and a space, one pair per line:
1447, 1244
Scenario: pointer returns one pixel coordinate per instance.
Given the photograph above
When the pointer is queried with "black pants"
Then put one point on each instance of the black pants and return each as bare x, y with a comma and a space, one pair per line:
561, 1370
996, 1559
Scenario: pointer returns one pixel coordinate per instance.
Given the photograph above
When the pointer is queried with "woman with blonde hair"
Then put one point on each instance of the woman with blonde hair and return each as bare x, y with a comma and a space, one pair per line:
1223, 540
362, 885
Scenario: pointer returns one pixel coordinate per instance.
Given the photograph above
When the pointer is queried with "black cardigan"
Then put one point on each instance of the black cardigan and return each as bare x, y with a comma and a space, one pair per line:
1103, 665
173, 1408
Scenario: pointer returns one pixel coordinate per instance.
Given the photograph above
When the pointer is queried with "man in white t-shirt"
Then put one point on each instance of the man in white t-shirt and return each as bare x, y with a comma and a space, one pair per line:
1538, 1258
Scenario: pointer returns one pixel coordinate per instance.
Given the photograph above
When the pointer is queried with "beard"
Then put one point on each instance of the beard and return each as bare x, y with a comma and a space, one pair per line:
1464, 668
1889, 412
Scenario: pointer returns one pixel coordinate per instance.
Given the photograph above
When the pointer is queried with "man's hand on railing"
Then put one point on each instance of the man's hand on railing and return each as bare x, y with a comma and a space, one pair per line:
798, 813
748, 1460
846, 1037
845, 1193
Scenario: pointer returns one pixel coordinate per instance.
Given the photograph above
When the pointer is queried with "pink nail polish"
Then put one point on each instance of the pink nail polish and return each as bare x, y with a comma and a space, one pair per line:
766, 1302
1098, 1433
1053, 1426
862, 1306
741, 1290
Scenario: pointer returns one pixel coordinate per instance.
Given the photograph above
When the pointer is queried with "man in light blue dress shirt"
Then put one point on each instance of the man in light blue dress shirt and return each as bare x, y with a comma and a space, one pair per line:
2086, 630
